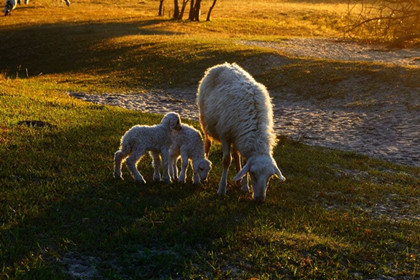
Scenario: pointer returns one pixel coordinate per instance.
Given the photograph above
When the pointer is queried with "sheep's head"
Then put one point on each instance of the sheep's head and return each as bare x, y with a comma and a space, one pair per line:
172, 120
261, 168
201, 170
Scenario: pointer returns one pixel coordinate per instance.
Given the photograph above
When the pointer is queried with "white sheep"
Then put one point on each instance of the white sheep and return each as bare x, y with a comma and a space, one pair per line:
188, 143
142, 138
236, 110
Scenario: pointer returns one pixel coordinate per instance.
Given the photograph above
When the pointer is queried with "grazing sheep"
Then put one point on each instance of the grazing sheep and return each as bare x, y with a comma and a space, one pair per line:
140, 139
236, 110
188, 143
11, 5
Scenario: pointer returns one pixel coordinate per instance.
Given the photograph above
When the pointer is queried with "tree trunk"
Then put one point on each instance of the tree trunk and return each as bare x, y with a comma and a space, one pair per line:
176, 10
211, 9
191, 15
184, 4
161, 12
196, 11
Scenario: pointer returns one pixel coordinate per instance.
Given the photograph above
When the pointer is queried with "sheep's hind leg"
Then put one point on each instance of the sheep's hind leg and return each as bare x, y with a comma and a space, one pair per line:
118, 158
132, 166
227, 159
207, 146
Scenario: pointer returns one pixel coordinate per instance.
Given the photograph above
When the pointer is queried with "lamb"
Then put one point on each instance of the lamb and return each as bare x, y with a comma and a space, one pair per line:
236, 110
142, 138
188, 143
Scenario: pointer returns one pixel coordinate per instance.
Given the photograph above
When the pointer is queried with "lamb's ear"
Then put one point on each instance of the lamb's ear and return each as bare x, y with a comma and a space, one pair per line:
243, 171
278, 174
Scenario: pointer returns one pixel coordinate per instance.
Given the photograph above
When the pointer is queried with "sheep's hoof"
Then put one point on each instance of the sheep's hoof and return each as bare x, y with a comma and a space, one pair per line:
221, 193
118, 176
157, 179
140, 182
167, 180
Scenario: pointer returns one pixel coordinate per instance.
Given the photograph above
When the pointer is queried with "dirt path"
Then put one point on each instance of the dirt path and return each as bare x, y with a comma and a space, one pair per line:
388, 129
343, 50
383, 133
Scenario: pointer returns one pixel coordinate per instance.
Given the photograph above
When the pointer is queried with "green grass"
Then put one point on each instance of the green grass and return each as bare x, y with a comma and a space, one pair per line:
338, 216
59, 201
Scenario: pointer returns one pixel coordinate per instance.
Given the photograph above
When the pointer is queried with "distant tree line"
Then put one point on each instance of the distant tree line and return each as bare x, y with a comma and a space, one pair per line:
396, 20
194, 13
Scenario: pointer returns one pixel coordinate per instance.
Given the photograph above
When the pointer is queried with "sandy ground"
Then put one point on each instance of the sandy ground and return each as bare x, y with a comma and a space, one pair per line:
388, 129
343, 50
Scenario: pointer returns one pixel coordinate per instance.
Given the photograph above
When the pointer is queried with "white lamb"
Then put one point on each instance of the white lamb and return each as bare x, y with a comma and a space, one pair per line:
188, 143
141, 139
236, 110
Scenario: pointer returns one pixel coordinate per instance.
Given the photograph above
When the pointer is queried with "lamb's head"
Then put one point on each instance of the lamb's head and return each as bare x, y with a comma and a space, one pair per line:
172, 120
261, 168
201, 170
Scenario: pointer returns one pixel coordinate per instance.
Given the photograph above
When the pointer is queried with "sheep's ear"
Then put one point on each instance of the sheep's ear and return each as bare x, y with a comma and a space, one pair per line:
242, 172
278, 174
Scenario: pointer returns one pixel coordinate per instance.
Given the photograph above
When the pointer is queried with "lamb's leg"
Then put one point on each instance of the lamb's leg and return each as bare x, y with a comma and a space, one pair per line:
118, 160
173, 169
184, 167
227, 159
165, 158
156, 166
196, 178
132, 166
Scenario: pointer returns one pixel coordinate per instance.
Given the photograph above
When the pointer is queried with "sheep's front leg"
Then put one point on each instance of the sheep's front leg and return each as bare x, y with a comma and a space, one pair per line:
132, 166
156, 166
226, 164
244, 181
165, 159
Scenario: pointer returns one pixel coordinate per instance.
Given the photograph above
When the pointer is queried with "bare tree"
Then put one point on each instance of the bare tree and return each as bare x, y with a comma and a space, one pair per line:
176, 10
184, 5
195, 10
210, 10
395, 20
161, 12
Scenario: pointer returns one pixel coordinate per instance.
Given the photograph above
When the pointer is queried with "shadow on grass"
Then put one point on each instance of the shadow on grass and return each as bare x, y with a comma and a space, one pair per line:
62, 48
152, 57
62, 201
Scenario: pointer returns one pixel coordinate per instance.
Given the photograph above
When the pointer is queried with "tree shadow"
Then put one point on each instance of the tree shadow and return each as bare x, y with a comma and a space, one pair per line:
63, 48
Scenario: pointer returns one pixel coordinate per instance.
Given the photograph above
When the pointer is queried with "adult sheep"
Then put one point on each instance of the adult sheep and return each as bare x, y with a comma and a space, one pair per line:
236, 110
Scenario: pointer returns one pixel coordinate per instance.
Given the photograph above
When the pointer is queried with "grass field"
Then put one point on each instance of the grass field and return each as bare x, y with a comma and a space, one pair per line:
62, 216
